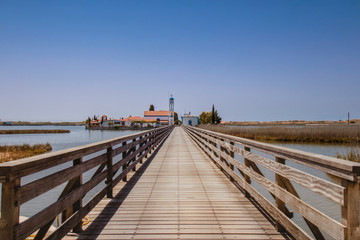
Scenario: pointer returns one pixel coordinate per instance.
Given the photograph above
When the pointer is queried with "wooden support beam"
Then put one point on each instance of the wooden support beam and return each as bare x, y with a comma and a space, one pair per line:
286, 184
10, 209
109, 166
279, 204
247, 164
351, 210
124, 154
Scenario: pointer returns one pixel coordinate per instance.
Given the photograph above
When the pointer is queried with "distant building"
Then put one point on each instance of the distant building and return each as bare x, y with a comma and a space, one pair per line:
8, 123
95, 123
133, 121
113, 122
161, 116
188, 120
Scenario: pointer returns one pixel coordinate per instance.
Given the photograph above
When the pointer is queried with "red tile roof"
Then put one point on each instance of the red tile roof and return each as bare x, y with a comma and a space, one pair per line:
133, 119
156, 113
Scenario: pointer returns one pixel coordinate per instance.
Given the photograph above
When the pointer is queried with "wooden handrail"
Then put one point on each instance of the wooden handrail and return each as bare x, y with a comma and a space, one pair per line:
334, 166
221, 149
69, 205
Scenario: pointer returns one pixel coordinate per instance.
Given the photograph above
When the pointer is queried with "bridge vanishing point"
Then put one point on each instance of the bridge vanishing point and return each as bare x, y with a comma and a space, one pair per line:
179, 183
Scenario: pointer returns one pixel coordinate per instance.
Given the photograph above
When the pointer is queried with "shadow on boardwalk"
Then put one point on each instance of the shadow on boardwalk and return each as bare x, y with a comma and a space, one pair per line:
100, 222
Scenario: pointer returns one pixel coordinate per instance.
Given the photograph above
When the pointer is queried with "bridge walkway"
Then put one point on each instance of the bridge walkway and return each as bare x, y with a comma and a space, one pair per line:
180, 194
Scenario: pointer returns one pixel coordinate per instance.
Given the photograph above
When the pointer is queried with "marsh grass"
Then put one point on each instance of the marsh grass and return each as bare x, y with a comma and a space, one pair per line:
300, 134
34, 131
13, 152
352, 155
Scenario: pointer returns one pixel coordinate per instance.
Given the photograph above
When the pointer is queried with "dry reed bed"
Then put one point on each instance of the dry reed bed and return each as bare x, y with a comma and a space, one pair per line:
308, 134
13, 152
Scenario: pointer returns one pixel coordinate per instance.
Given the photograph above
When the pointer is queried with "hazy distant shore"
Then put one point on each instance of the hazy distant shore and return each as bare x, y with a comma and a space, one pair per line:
34, 131
26, 123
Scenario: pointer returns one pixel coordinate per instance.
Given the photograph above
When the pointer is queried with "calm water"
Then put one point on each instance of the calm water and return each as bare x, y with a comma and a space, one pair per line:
80, 136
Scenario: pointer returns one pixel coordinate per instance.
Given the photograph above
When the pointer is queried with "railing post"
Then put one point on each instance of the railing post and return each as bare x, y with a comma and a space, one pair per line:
134, 159
10, 209
232, 155
78, 204
247, 164
279, 204
141, 144
125, 164
74, 183
351, 209
109, 166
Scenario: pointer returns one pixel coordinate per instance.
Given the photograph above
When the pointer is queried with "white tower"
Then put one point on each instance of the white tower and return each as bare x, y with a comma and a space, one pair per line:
171, 110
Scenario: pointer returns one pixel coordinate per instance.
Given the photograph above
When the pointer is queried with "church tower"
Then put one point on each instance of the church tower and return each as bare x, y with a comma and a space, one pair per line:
171, 111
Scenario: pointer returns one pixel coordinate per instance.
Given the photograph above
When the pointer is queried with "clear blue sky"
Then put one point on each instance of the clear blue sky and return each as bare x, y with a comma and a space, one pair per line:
255, 60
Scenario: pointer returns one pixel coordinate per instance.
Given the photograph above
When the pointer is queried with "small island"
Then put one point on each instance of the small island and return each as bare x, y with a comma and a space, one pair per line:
13, 152
34, 131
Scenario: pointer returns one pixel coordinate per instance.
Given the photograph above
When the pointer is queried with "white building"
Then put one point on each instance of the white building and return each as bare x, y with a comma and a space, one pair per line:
189, 120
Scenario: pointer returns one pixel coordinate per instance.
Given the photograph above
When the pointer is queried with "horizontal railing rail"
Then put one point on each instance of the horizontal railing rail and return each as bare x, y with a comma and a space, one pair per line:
221, 148
108, 161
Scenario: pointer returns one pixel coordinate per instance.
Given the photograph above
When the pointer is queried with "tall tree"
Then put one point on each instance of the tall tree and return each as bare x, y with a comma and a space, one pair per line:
205, 117
151, 108
213, 117
217, 117
176, 118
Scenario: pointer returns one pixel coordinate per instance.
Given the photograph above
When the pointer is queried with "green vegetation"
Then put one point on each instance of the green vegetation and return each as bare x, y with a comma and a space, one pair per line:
176, 119
210, 117
307, 134
34, 131
10, 153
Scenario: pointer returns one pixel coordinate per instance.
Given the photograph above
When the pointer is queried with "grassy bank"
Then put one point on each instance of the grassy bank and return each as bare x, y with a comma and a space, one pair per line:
10, 153
34, 131
305, 134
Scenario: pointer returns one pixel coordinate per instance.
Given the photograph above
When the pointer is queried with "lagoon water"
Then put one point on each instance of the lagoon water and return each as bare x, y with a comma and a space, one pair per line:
79, 136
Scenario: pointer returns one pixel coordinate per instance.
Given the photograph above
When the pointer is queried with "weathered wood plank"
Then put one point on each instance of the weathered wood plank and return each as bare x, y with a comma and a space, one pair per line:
327, 189
337, 167
332, 227
42, 185
297, 232
26, 166
180, 194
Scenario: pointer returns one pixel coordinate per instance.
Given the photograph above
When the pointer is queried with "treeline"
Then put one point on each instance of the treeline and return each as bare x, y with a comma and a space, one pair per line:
212, 117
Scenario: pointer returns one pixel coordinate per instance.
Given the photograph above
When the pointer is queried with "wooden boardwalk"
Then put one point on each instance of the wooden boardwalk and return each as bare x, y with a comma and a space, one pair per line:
180, 194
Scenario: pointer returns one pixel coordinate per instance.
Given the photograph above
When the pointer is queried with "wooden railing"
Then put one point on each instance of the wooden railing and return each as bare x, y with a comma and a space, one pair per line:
244, 168
109, 160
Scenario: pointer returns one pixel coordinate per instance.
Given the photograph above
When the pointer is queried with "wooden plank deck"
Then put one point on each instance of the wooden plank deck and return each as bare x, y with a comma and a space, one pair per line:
180, 194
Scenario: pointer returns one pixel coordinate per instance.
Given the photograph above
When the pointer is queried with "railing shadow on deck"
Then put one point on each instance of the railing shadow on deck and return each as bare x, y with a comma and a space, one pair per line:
101, 221
243, 166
